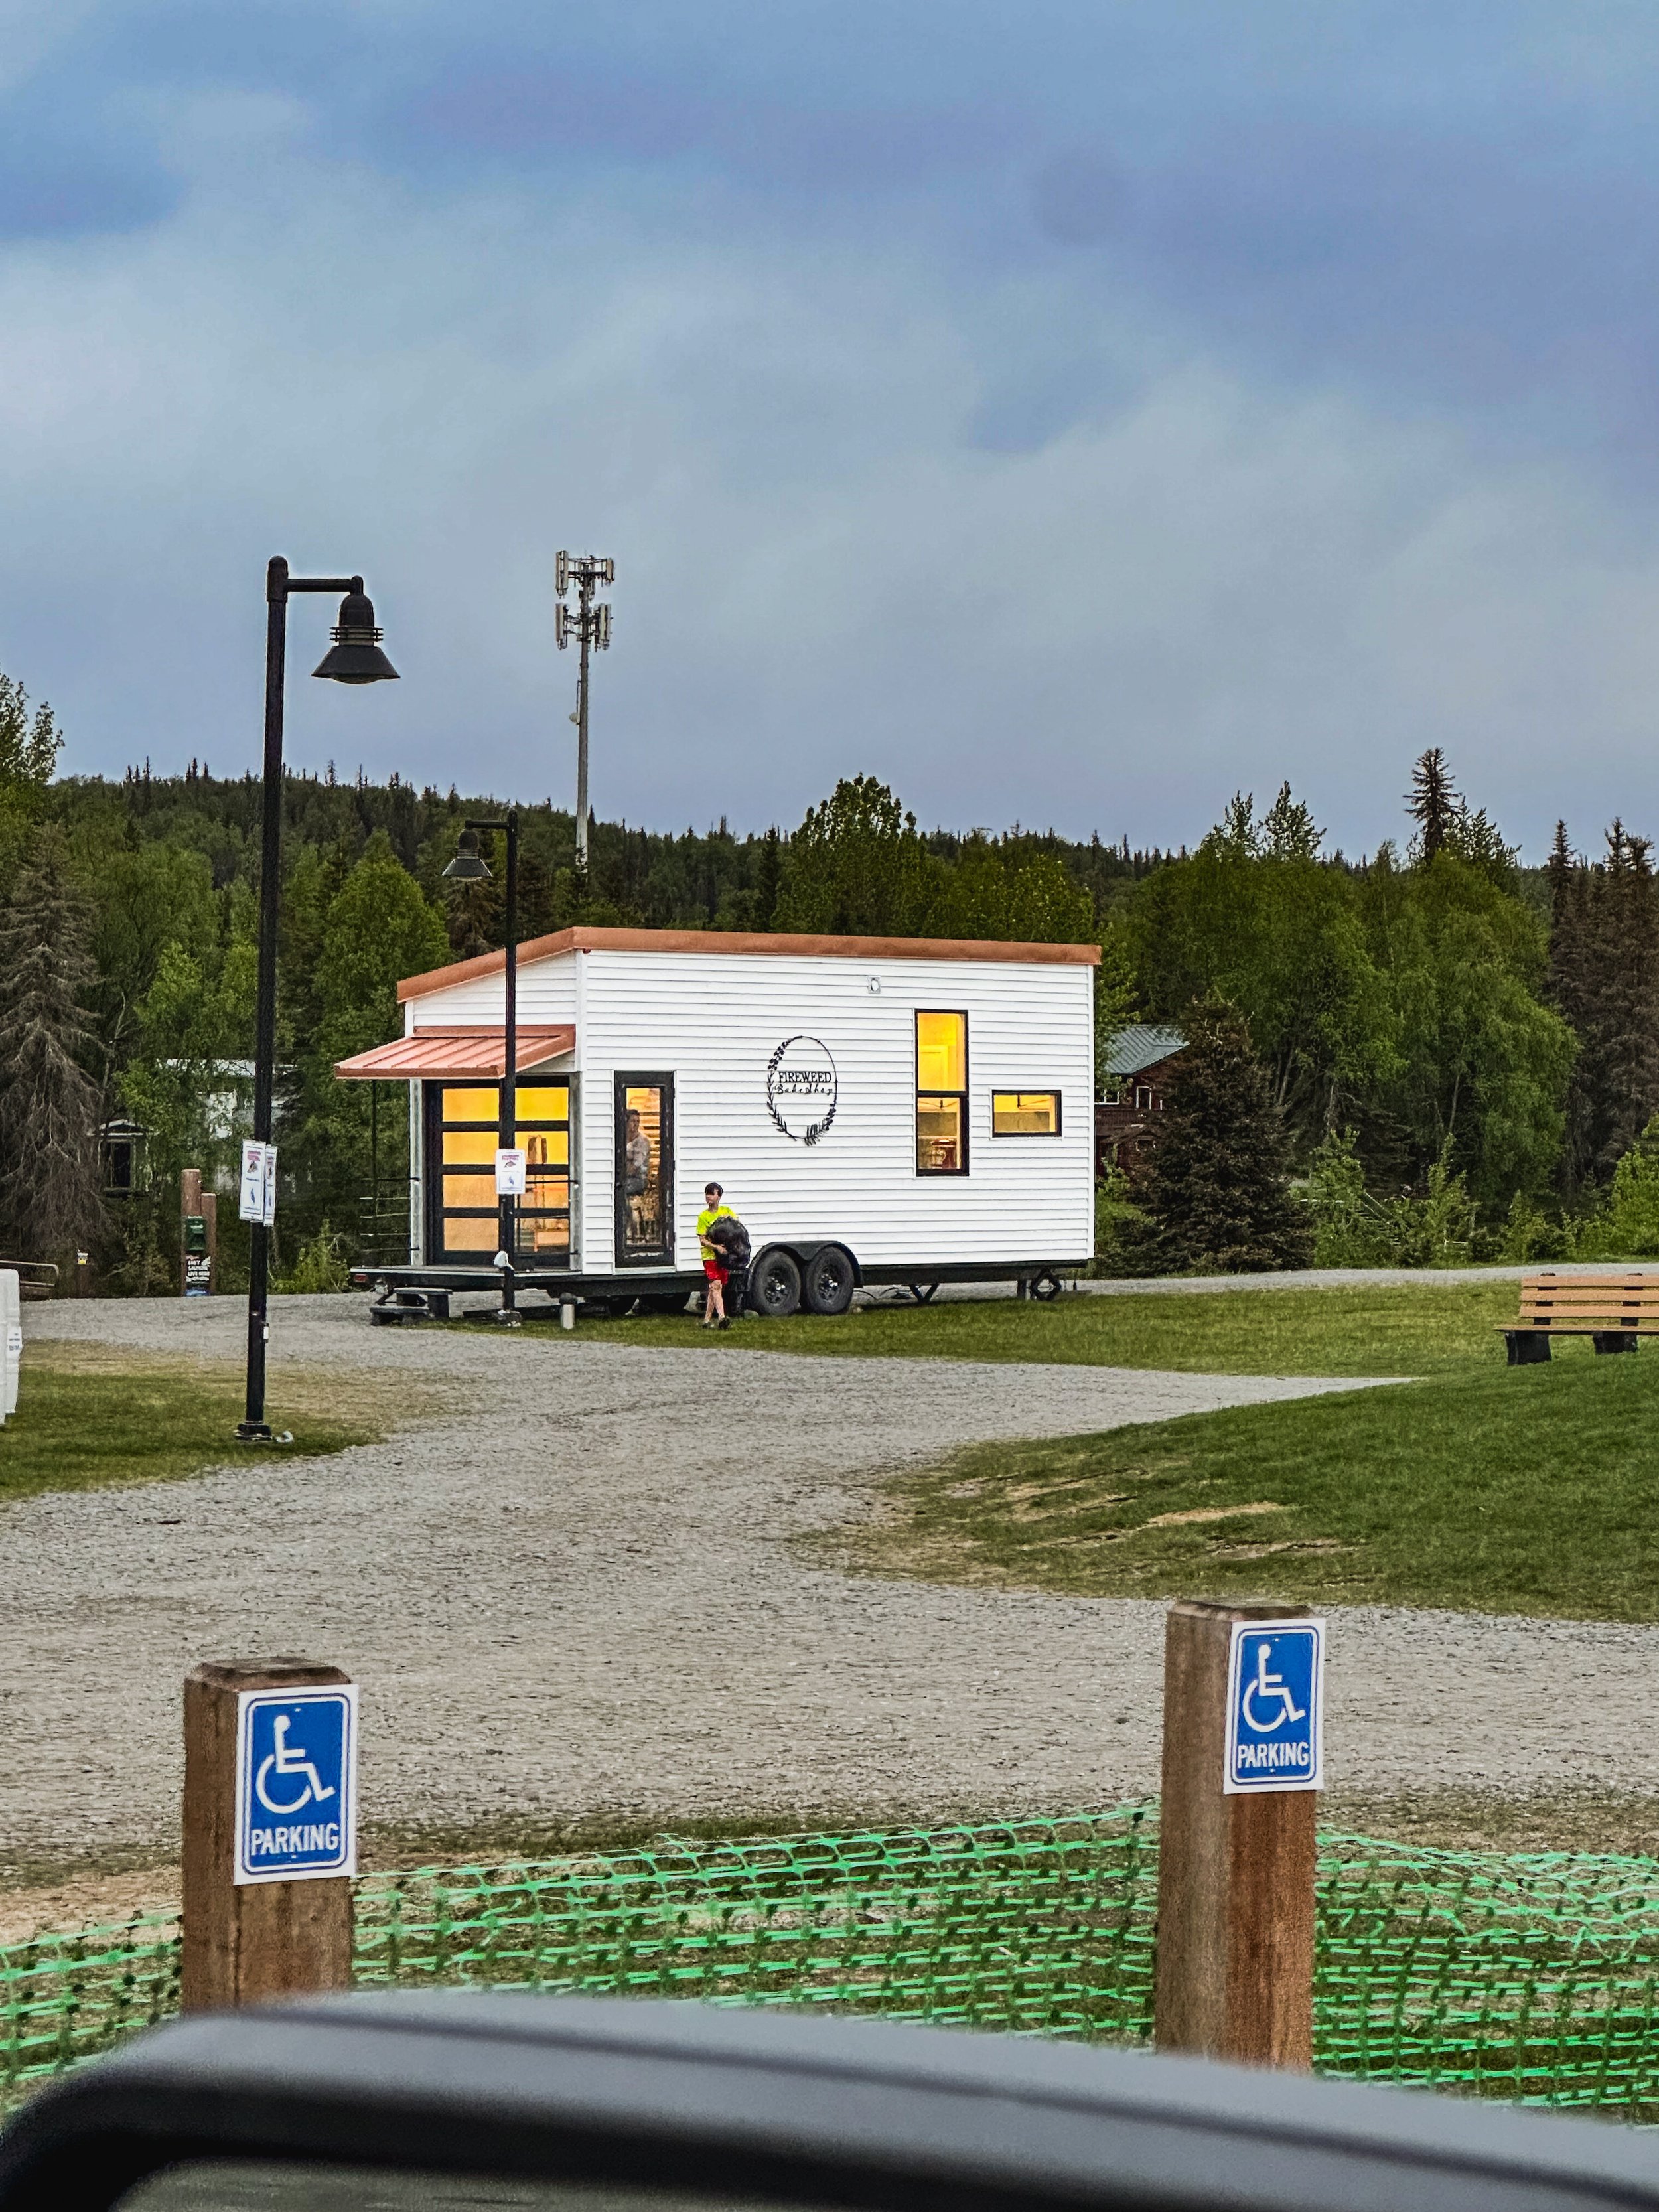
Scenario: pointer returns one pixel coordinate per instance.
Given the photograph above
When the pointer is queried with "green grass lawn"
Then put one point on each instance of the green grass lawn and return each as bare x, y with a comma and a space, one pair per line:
85, 1421
1531, 1490
1427, 1328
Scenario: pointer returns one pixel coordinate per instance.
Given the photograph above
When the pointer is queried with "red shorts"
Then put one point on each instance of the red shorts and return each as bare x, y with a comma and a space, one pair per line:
716, 1270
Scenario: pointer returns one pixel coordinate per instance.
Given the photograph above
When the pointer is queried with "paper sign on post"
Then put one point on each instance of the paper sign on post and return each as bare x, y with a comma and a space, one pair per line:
296, 1784
257, 1200
250, 1203
510, 1171
1275, 1707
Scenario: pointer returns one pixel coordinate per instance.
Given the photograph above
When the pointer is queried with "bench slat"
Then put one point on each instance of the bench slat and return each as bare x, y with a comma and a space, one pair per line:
1648, 1279
1606, 1304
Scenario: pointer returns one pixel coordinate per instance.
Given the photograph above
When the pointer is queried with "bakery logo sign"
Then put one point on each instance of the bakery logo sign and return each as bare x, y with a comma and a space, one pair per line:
802, 1089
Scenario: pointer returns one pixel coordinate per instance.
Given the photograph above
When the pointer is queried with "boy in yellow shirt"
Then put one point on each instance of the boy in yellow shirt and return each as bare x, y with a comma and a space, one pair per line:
712, 1266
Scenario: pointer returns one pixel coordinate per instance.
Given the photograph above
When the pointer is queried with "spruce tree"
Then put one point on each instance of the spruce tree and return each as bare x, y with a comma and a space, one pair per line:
50, 1200
1433, 803
1216, 1186
1604, 980
1569, 988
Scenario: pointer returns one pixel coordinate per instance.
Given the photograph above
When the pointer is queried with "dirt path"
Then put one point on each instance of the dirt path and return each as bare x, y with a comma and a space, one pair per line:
578, 1593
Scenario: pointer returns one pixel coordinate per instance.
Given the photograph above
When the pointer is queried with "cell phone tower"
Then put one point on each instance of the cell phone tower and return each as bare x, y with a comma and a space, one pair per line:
587, 624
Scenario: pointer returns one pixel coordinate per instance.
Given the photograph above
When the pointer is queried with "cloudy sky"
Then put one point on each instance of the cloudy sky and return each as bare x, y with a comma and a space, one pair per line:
1067, 411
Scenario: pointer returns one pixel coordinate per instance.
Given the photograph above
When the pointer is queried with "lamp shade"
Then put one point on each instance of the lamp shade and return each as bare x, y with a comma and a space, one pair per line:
467, 866
355, 656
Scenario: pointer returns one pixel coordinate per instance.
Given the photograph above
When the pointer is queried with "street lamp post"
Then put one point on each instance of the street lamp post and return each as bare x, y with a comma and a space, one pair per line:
469, 865
589, 623
354, 657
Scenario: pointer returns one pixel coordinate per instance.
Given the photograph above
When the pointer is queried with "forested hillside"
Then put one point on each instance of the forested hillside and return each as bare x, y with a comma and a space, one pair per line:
1427, 1017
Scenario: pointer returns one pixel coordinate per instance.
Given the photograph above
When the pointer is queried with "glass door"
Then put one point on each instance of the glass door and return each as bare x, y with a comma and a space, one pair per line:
645, 1171
462, 1133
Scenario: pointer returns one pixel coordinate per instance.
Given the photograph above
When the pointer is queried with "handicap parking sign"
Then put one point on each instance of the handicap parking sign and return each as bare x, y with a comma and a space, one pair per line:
1275, 1706
296, 1784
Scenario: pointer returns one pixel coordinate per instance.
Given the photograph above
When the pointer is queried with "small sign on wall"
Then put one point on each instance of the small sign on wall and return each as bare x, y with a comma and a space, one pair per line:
802, 1089
510, 1171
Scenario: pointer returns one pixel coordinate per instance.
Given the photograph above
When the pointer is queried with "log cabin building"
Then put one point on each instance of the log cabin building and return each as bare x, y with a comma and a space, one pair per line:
1136, 1075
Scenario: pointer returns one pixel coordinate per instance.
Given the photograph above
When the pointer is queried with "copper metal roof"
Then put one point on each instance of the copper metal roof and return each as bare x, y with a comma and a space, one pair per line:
441, 1053
583, 940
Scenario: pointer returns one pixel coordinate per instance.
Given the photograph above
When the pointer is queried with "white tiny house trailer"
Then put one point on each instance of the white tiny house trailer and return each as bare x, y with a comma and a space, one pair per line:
878, 1111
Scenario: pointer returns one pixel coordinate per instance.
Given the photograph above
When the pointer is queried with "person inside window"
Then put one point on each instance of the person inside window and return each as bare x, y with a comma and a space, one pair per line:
713, 1266
642, 1227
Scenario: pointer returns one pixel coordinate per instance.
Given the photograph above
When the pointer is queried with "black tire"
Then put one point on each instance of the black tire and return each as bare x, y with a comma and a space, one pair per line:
827, 1283
774, 1286
1045, 1288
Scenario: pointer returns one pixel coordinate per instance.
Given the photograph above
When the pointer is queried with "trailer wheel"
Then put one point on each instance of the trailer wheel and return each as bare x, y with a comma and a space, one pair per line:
1046, 1287
827, 1285
774, 1286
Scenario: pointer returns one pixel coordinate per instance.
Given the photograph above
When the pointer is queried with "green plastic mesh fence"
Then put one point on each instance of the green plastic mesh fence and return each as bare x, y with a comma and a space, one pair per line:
1533, 1977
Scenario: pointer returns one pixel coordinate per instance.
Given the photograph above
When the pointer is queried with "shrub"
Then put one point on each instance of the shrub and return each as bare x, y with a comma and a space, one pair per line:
1354, 1228
1124, 1238
1628, 1226
1436, 1230
1530, 1234
319, 1265
1351, 1229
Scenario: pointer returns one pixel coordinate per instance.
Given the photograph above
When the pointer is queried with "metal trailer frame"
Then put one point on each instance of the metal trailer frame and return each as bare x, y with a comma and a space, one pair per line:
419, 1293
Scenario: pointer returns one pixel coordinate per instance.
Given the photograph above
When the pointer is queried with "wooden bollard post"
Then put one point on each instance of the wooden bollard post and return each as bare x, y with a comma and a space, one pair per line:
270, 1830
1235, 1866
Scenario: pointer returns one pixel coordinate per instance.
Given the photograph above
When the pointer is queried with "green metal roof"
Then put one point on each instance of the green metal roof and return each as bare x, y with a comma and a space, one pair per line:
1139, 1046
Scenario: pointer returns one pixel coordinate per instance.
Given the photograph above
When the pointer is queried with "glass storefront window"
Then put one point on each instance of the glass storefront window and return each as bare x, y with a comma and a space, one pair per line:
1025, 1113
462, 1131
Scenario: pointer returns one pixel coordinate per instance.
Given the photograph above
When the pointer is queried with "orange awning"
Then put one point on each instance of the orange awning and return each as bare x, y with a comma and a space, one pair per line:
441, 1053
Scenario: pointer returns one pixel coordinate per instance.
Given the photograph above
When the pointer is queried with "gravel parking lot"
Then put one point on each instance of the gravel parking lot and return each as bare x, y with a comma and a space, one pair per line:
574, 1588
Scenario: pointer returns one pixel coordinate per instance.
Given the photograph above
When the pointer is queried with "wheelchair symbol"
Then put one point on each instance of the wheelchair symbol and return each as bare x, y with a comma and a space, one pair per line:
1272, 1689
286, 1762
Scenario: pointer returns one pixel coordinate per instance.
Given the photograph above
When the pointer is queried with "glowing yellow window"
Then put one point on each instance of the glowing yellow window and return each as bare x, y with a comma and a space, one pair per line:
470, 1190
472, 1105
941, 1051
1025, 1113
942, 1094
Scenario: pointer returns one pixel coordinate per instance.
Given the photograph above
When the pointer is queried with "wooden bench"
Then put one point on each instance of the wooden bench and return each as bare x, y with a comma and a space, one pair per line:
1615, 1311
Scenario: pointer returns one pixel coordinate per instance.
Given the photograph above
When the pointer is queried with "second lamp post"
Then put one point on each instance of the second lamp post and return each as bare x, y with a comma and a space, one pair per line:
468, 866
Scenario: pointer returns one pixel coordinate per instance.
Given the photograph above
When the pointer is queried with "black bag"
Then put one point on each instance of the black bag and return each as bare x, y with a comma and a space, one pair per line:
730, 1240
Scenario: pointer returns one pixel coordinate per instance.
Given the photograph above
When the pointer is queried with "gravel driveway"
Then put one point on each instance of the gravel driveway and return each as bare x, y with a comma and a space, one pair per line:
575, 1592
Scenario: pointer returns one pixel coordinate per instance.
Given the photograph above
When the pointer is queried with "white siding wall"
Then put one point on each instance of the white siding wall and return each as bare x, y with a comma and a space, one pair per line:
714, 1020
547, 993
